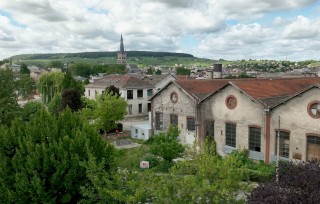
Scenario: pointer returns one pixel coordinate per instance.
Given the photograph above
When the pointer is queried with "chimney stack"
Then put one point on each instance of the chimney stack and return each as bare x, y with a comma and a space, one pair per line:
217, 71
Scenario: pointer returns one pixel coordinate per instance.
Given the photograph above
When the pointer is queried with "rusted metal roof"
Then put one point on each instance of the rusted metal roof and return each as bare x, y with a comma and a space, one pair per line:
199, 89
120, 81
269, 92
275, 87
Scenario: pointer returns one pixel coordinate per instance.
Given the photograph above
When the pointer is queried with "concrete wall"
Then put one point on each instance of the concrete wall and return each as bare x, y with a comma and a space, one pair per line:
185, 107
91, 93
294, 117
123, 92
247, 113
136, 101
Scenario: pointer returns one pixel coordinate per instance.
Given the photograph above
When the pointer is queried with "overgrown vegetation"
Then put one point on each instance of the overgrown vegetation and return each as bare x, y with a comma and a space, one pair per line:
203, 178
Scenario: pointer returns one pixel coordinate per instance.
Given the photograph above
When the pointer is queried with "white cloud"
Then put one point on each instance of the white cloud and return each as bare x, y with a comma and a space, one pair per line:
302, 28
35, 26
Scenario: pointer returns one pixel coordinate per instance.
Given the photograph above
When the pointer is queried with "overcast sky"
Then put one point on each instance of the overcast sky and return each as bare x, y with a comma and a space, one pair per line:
228, 29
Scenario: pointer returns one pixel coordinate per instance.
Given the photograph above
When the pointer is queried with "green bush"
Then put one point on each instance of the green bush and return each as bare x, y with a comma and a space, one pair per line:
251, 170
153, 161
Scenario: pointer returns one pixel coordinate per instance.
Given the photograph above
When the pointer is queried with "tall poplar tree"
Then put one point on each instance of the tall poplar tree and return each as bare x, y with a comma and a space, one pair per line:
8, 99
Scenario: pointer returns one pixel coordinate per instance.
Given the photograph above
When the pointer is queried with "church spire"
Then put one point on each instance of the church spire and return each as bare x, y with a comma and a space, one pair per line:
121, 45
122, 56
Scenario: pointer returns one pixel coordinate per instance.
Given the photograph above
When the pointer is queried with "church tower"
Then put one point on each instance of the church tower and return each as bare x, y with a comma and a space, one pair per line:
122, 56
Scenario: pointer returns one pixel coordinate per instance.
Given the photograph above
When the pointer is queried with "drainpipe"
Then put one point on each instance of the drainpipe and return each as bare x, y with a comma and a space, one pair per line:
198, 126
267, 131
151, 119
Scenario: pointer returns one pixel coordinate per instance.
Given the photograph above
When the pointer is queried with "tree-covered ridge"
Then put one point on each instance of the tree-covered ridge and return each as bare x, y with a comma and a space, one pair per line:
94, 55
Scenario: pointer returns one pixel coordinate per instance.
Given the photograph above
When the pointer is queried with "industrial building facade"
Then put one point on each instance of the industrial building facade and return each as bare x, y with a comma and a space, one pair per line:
247, 113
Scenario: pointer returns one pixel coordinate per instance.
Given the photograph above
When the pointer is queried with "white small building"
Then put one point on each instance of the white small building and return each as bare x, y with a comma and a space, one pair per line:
141, 131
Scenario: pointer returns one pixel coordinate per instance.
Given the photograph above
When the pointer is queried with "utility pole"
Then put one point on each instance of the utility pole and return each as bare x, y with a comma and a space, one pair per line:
278, 152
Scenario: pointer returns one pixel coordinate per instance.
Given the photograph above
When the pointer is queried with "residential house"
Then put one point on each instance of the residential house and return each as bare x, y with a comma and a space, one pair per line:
134, 90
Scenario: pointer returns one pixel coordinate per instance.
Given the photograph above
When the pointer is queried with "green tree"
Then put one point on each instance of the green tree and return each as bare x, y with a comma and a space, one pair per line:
167, 145
55, 104
81, 69
70, 83
8, 101
24, 69
25, 86
48, 159
113, 90
71, 98
150, 71
50, 84
230, 76
109, 110
30, 109
89, 109
183, 71
244, 75
55, 64
158, 72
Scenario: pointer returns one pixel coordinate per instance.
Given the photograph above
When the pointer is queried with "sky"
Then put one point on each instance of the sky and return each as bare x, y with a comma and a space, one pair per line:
213, 29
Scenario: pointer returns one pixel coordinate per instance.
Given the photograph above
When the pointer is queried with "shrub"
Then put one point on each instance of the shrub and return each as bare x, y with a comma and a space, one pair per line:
166, 145
153, 161
298, 183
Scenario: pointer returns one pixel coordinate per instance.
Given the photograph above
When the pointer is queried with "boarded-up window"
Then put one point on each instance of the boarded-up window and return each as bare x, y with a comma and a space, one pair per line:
231, 134
130, 109
209, 128
174, 120
255, 139
284, 144
159, 121
313, 147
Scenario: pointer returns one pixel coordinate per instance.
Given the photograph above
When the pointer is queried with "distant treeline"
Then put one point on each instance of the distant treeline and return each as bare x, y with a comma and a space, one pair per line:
129, 53
85, 69
94, 55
